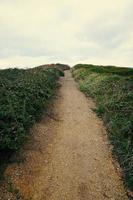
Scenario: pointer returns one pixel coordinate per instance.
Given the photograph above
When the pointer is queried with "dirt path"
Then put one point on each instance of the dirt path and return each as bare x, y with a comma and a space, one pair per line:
69, 158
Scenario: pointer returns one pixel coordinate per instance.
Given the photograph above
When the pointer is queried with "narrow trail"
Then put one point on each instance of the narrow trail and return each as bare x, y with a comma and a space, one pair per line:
68, 157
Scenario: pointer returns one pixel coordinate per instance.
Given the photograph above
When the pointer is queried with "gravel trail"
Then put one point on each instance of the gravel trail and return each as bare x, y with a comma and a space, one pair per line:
68, 156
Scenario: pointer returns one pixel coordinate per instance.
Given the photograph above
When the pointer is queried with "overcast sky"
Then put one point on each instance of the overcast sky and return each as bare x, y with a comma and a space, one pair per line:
34, 32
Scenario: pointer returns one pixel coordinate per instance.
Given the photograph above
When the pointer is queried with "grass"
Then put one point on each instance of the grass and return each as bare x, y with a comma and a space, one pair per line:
112, 89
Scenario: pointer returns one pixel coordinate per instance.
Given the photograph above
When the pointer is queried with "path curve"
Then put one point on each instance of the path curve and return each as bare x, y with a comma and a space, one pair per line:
69, 158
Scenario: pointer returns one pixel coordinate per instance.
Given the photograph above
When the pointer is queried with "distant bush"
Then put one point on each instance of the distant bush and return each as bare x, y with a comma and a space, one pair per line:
61, 67
23, 97
112, 89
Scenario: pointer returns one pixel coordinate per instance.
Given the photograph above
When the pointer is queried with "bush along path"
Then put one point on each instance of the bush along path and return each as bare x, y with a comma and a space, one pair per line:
67, 156
24, 95
112, 89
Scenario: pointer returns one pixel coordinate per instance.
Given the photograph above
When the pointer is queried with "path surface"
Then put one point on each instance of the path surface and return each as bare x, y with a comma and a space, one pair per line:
69, 158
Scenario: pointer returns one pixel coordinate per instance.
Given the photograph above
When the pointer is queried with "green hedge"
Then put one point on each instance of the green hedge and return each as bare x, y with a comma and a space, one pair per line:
112, 89
23, 97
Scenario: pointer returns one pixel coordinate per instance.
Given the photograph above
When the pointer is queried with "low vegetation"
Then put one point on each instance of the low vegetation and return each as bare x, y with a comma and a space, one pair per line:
24, 95
112, 89
58, 66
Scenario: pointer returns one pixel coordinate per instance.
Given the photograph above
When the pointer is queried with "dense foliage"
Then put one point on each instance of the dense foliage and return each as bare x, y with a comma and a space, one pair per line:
23, 97
112, 89
58, 66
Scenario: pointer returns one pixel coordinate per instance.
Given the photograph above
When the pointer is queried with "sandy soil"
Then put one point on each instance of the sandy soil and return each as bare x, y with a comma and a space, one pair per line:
67, 156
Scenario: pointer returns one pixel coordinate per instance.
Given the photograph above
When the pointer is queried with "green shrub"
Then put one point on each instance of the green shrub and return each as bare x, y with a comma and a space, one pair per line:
23, 98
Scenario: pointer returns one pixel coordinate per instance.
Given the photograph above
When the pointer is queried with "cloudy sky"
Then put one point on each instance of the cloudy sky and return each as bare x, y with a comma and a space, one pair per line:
34, 32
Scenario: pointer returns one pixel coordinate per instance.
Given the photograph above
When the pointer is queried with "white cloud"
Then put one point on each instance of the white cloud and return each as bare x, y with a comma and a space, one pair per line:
36, 32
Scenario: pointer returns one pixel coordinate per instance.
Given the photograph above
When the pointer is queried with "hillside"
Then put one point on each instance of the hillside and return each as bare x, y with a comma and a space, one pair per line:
56, 143
112, 89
